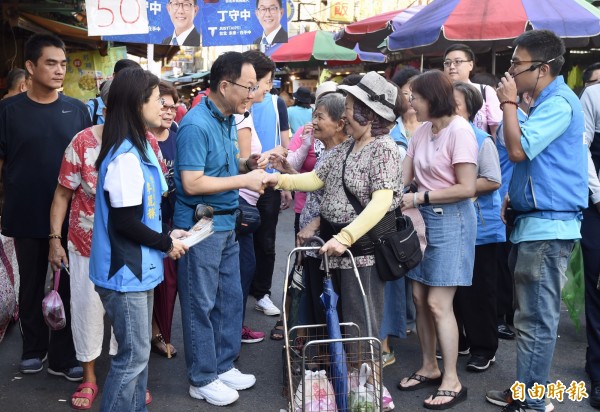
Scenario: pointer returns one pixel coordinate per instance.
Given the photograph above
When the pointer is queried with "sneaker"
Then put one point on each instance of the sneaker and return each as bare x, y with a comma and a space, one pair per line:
517, 406
388, 402
265, 305
504, 332
479, 363
503, 398
237, 380
464, 352
388, 358
251, 336
215, 393
33, 365
74, 374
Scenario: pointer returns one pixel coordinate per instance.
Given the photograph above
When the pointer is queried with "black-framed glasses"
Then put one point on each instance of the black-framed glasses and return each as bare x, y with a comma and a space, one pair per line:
263, 10
456, 62
252, 89
185, 6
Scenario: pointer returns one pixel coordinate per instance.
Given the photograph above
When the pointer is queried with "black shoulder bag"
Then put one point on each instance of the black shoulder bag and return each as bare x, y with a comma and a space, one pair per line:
395, 241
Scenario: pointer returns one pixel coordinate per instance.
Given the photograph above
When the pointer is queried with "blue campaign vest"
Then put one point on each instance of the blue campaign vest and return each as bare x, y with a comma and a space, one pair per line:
554, 184
266, 123
490, 228
398, 134
116, 262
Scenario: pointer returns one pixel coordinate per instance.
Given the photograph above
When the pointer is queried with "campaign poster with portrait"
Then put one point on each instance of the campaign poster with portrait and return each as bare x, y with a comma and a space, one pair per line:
242, 22
174, 22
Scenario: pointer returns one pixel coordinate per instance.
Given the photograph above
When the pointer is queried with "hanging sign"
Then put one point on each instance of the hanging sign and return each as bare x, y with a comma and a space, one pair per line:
116, 17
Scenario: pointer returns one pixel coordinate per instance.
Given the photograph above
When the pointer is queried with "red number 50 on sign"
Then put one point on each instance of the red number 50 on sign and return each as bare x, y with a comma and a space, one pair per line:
116, 17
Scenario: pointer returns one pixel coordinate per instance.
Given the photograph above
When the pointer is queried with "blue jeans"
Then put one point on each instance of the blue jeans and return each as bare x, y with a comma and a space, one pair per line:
539, 272
130, 314
247, 266
211, 306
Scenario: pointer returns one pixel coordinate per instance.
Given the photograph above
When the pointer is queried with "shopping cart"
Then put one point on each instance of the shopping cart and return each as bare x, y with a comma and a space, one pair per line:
335, 350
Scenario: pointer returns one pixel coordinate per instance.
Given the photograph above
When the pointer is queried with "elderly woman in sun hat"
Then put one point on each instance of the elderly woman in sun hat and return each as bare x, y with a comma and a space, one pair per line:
368, 164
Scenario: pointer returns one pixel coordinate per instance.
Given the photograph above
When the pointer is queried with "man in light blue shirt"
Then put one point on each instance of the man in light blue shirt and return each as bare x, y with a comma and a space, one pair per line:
548, 191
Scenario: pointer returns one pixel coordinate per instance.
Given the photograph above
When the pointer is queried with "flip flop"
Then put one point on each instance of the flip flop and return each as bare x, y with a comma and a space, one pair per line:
276, 332
424, 382
457, 397
78, 394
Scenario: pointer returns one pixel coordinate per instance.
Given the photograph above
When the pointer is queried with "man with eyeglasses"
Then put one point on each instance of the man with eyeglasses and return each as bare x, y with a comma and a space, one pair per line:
269, 14
207, 173
547, 192
183, 13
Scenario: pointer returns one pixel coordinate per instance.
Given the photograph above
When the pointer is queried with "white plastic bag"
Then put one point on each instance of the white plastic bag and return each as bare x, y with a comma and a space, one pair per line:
362, 398
318, 396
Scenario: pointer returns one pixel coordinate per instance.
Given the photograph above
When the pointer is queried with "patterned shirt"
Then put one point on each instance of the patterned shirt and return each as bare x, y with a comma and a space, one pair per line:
374, 167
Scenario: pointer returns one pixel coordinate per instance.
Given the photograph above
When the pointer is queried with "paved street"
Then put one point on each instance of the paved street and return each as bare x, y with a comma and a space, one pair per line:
169, 387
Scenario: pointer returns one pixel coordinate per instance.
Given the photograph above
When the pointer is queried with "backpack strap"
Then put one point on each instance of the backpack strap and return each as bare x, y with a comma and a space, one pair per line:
95, 116
482, 89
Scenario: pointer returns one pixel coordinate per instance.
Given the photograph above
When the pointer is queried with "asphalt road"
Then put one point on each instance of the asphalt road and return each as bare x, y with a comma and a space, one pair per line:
168, 383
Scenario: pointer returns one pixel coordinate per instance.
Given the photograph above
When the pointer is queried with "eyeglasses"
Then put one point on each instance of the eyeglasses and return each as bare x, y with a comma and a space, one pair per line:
515, 63
263, 10
172, 108
185, 6
456, 63
251, 90
162, 101
411, 98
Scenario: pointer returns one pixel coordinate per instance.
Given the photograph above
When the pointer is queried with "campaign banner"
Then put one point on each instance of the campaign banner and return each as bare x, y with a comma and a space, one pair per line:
87, 70
242, 22
173, 22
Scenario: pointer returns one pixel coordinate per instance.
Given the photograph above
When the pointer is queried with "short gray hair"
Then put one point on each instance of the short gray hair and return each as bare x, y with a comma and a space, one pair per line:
334, 105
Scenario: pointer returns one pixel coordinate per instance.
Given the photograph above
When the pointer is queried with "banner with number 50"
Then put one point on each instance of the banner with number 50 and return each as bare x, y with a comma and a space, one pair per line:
116, 17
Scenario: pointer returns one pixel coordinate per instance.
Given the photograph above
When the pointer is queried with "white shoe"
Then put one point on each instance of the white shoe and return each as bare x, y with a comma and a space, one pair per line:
266, 305
237, 380
215, 393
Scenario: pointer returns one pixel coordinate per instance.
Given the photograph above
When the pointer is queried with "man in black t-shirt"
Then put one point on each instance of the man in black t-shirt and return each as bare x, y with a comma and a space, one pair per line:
36, 128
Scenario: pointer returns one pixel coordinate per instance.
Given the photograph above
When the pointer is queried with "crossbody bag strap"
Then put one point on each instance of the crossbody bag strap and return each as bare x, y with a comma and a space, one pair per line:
358, 208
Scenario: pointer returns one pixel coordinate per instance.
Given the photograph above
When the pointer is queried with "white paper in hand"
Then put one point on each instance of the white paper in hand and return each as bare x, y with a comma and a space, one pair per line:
200, 231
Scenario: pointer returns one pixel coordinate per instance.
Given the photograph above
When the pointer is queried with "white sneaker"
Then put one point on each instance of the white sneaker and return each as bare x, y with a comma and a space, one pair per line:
215, 393
265, 305
237, 380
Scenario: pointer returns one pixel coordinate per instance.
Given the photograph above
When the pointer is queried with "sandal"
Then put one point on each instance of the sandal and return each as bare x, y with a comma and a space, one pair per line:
424, 382
457, 397
160, 346
277, 332
78, 394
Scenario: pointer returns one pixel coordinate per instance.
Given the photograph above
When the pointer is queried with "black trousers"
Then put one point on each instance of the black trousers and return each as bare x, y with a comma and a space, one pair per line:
38, 339
590, 246
504, 293
268, 206
475, 305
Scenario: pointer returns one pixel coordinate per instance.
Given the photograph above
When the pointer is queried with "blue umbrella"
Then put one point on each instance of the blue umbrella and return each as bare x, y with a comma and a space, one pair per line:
338, 370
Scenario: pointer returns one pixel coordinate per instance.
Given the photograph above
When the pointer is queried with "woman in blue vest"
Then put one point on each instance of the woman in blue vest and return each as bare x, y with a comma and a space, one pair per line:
475, 305
129, 241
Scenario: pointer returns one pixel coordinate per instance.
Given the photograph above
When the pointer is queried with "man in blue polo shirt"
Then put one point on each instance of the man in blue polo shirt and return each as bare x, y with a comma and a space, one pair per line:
207, 169
548, 191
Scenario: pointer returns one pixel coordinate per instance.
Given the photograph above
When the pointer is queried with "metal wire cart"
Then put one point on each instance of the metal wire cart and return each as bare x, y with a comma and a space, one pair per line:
331, 366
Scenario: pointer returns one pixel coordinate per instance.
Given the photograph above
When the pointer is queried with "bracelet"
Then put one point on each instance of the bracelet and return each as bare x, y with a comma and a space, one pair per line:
426, 197
54, 236
415, 200
247, 166
508, 102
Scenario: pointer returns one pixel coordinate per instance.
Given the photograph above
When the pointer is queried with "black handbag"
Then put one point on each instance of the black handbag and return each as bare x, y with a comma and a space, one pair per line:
395, 241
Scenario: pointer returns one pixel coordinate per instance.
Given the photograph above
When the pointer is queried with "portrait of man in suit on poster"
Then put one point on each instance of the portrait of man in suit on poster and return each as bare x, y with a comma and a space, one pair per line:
269, 14
182, 14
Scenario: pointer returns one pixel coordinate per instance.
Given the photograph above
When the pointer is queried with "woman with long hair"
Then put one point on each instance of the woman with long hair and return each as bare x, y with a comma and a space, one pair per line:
129, 240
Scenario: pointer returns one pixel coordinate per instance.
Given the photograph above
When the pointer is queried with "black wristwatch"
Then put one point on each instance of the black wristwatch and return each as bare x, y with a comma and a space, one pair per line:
426, 198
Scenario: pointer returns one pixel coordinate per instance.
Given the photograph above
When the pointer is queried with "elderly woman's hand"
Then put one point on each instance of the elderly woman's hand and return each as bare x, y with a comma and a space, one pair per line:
280, 163
333, 248
408, 201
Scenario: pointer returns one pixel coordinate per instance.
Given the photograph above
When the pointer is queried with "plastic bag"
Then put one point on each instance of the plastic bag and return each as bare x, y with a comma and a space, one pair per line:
362, 398
573, 293
318, 396
53, 308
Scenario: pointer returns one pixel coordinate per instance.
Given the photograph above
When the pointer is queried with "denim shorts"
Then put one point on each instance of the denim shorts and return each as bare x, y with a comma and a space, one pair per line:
451, 230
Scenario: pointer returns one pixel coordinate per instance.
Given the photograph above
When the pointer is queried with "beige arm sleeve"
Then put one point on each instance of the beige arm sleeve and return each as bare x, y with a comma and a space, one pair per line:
303, 182
381, 200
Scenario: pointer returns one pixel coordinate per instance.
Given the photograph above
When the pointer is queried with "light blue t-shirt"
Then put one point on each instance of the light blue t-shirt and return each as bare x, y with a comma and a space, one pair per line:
547, 122
206, 143
298, 116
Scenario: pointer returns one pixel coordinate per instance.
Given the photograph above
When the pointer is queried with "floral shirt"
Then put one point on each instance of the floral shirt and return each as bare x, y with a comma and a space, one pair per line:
376, 166
78, 173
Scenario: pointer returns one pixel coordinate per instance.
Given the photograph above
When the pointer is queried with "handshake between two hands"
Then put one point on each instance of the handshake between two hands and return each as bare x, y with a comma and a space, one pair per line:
257, 179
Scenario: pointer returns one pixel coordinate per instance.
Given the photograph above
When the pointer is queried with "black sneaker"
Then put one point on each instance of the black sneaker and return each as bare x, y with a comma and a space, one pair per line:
516, 406
504, 332
479, 363
461, 352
